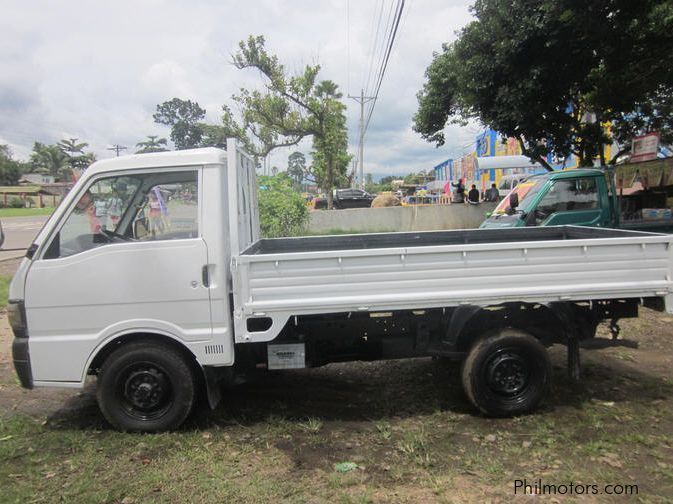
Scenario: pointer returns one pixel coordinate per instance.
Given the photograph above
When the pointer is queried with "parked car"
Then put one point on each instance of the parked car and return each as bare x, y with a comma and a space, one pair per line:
346, 198
352, 198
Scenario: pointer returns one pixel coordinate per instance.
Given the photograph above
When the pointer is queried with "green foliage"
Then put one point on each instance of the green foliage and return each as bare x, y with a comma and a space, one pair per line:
291, 108
551, 72
50, 160
10, 170
296, 167
282, 211
16, 202
4, 289
183, 116
152, 144
74, 151
214, 136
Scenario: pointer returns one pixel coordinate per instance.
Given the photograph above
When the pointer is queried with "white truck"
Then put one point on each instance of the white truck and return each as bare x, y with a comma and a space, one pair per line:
174, 292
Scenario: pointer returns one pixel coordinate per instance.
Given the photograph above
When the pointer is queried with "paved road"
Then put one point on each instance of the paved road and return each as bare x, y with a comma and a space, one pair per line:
19, 234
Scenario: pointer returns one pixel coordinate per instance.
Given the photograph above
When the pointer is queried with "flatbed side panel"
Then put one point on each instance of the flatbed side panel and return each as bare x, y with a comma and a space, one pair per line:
280, 286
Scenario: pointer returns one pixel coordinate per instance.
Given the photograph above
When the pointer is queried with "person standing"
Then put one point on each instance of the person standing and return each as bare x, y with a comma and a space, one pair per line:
459, 194
101, 206
114, 209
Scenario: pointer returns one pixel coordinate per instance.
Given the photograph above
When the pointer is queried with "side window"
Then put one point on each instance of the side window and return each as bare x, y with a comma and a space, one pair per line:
153, 206
96, 217
169, 211
567, 196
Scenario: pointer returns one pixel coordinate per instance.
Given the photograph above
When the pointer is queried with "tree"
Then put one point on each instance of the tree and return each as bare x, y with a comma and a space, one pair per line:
10, 170
213, 136
554, 73
296, 167
152, 144
291, 108
282, 212
51, 160
330, 149
183, 116
74, 151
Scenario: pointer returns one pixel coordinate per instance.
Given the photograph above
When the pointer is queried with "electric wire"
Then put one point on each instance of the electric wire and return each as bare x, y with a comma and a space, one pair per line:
386, 59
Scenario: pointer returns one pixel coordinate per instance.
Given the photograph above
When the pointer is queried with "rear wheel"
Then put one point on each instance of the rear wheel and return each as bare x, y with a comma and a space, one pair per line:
507, 373
146, 387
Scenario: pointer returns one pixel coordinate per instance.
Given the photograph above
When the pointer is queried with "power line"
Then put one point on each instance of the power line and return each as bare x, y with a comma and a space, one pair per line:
117, 148
374, 47
398, 15
348, 45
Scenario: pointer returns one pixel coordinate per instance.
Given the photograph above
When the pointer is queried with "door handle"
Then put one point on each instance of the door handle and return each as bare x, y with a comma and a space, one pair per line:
205, 276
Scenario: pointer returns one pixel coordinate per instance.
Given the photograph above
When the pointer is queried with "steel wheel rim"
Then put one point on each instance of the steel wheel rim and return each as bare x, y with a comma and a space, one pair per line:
145, 391
508, 374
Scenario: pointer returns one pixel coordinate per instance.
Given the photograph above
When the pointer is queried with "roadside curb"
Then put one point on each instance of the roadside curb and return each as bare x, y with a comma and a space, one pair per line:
4, 259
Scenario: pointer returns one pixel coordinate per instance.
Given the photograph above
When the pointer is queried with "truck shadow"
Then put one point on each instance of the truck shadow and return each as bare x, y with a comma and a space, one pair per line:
383, 390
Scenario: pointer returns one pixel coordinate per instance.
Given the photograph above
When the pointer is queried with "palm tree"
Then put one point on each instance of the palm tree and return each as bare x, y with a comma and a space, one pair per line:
152, 144
49, 159
77, 158
71, 147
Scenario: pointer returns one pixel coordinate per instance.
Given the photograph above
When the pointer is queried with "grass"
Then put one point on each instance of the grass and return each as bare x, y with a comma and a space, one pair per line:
4, 289
25, 212
266, 445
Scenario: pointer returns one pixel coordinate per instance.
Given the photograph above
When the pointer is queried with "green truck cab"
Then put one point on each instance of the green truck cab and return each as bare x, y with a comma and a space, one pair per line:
581, 197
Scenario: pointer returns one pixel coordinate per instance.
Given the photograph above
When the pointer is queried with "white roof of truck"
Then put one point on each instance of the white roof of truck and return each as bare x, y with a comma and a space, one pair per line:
192, 157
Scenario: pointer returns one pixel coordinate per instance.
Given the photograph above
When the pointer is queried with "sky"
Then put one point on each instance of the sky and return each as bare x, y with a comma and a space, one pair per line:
96, 70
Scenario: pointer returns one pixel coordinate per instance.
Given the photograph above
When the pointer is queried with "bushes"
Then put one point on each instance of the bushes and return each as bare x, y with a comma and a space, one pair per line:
282, 212
16, 203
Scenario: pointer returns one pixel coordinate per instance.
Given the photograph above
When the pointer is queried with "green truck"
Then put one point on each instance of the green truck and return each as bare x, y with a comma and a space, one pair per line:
633, 197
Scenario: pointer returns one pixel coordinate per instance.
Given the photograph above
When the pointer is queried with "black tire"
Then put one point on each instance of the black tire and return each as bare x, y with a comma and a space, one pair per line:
507, 373
146, 387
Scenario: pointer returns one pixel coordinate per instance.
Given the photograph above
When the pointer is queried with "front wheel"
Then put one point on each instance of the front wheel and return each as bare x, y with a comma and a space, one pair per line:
146, 387
507, 373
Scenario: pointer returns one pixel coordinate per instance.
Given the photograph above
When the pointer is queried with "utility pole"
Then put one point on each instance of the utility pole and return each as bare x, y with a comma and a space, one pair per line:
362, 99
117, 148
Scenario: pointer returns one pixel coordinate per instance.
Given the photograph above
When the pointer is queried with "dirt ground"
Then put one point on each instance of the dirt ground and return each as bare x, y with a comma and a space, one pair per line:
409, 429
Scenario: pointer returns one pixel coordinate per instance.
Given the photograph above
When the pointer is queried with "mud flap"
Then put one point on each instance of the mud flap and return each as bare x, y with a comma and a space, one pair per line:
216, 378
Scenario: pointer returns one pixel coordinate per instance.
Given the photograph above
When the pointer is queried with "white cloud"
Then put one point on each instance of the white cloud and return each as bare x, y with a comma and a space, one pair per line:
97, 70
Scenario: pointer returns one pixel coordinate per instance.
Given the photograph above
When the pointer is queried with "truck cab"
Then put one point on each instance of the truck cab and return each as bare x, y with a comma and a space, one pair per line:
588, 197
578, 197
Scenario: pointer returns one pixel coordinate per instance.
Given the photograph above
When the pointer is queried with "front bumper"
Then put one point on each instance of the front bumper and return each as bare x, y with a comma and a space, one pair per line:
21, 358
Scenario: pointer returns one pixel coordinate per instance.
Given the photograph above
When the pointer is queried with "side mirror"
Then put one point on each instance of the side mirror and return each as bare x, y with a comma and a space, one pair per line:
140, 229
2, 236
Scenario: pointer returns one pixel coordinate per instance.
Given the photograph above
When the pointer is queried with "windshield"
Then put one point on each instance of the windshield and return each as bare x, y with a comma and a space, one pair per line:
526, 192
505, 184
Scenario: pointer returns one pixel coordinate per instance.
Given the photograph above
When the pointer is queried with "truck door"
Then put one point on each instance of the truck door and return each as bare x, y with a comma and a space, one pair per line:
127, 256
572, 201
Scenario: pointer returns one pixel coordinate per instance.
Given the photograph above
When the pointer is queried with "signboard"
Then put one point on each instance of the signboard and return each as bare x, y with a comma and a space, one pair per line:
644, 148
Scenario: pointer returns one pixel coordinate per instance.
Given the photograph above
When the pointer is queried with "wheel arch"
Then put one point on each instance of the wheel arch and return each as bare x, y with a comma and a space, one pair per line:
104, 350
205, 376
548, 323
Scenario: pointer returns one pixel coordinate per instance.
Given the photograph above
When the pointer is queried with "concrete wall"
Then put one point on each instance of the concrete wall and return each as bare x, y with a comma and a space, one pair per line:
409, 218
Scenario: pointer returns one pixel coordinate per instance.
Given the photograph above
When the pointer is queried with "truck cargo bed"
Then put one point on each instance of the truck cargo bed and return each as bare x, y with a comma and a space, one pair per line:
426, 238
281, 278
